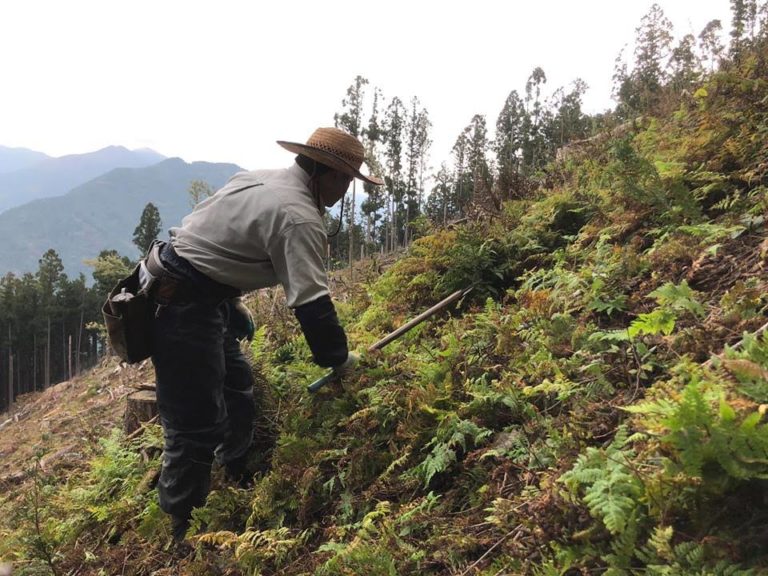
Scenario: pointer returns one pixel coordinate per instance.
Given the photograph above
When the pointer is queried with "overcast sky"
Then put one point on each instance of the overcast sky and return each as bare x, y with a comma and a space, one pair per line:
221, 81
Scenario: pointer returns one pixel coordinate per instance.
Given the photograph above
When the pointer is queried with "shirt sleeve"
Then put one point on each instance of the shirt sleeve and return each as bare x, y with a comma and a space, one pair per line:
297, 257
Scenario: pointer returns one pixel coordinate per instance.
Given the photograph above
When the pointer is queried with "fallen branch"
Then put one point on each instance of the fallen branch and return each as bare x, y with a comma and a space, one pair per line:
737, 345
491, 549
141, 428
13, 478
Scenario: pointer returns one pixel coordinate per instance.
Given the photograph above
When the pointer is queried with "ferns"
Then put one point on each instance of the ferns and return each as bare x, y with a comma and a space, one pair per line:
672, 299
453, 435
612, 491
705, 440
256, 550
662, 558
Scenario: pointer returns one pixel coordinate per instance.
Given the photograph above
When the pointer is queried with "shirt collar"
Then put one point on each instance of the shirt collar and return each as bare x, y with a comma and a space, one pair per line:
298, 172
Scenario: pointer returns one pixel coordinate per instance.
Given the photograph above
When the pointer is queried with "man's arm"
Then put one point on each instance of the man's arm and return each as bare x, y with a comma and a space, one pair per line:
297, 256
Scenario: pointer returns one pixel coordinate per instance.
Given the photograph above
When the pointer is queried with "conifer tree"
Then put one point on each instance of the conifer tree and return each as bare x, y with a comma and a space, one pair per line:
423, 144
108, 268
50, 275
50, 279
417, 145
394, 123
148, 229
477, 161
8, 285
622, 91
684, 64
743, 20
198, 191
462, 178
710, 46
350, 120
762, 22
373, 135
44, 332
652, 47
566, 120
509, 139
437, 205
533, 138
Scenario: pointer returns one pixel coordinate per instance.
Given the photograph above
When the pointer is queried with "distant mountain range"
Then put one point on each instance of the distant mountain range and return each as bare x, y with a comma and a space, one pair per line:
26, 175
82, 204
18, 158
102, 212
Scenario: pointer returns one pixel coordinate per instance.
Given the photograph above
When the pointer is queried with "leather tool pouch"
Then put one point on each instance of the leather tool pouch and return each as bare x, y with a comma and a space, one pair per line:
128, 315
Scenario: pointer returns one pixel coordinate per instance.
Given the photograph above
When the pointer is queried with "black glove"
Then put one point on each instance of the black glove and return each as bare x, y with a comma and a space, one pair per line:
324, 334
241, 324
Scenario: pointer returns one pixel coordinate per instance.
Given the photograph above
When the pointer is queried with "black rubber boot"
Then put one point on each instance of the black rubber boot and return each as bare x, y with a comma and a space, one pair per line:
179, 527
236, 471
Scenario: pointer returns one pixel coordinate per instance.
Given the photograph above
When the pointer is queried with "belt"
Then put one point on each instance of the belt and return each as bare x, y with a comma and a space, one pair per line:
167, 287
177, 287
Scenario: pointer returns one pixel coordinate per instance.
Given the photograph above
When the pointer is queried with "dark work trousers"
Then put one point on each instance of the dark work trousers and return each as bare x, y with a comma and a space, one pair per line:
204, 392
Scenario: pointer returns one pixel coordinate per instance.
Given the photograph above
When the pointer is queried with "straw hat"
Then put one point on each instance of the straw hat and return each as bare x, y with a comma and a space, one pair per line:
336, 149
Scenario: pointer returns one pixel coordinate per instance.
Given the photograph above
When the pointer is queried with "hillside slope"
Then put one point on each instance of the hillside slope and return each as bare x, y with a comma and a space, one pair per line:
101, 214
596, 405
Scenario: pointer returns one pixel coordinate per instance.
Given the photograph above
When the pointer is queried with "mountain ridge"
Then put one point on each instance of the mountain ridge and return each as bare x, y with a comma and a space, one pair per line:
51, 177
101, 214
15, 158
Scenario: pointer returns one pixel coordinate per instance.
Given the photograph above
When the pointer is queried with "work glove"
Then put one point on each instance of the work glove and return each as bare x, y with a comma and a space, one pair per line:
240, 320
349, 365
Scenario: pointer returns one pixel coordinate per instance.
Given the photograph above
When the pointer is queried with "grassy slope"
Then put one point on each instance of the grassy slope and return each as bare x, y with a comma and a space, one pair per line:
593, 407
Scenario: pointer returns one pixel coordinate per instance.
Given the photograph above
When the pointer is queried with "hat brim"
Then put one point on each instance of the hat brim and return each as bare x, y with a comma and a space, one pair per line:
330, 160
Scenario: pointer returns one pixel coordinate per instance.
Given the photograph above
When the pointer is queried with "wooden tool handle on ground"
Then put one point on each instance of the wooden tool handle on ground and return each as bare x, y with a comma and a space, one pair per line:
392, 336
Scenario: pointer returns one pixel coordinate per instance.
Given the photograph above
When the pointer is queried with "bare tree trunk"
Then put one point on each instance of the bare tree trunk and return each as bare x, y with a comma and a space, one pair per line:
48, 357
69, 357
371, 231
407, 221
34, 362
388, 227
79, 340
10, 369
350, 232
395, 240
64, 361
445, 207
421, 184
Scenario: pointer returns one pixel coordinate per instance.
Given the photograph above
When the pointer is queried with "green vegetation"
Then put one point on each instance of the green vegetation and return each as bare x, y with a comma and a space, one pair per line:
595, 405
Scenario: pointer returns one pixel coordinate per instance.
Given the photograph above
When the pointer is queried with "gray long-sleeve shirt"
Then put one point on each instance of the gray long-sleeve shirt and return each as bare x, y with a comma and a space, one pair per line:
267, 234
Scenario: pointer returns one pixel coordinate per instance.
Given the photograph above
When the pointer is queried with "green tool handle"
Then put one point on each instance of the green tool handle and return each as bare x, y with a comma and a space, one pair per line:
322, 381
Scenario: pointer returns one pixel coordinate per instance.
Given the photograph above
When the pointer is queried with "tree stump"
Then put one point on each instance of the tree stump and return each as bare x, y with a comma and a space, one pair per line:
141, 407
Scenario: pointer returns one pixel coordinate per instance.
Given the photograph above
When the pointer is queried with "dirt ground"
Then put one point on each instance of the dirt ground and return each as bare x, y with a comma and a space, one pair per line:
55, 427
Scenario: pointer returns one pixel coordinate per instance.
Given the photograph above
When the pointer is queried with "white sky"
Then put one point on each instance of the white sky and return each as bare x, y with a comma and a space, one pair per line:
221, 81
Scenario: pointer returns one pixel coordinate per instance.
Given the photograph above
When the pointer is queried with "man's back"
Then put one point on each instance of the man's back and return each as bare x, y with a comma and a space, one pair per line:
254, 229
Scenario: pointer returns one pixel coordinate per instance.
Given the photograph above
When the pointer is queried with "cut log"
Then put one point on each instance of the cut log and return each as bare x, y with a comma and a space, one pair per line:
141, 407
